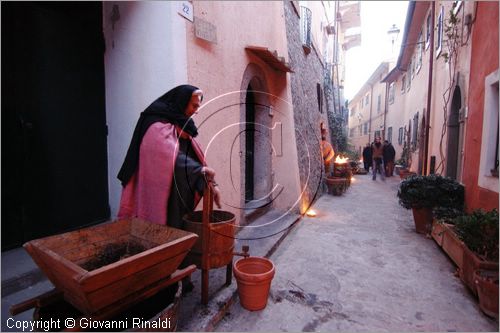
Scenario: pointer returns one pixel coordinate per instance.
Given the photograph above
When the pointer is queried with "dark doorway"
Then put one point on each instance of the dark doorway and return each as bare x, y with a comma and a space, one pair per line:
249, 144
452, 159
54, 155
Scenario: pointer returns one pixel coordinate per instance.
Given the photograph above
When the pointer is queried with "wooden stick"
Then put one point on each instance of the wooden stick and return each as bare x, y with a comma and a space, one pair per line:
208, 202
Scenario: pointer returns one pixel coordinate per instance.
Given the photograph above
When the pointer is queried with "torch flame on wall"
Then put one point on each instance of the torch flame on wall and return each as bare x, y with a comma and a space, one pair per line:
341, 160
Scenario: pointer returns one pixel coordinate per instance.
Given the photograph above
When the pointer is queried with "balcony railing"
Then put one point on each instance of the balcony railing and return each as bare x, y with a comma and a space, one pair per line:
305, 28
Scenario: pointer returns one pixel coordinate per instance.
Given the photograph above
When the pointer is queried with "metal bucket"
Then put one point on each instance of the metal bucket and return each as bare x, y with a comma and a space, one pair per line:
221, 238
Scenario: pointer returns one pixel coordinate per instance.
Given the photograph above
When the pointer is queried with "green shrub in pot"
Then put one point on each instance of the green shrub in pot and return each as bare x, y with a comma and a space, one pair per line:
447, 214
479, 232
430, 191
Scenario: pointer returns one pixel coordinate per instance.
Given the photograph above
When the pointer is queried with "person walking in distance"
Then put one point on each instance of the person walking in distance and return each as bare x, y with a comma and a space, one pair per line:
367, 157
377, 156
389, 154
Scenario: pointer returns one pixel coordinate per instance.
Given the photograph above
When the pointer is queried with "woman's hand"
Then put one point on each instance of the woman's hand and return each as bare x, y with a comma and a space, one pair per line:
217, 196
208, 172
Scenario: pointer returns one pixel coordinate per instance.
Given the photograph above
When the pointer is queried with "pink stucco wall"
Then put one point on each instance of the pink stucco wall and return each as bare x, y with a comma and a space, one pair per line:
219, 70
484, 60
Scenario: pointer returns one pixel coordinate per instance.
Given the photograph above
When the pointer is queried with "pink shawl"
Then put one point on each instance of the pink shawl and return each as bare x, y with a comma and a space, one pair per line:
146, 194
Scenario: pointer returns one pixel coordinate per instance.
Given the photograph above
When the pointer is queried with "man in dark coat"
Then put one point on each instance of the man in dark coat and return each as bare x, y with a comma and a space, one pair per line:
367, 157
389, 155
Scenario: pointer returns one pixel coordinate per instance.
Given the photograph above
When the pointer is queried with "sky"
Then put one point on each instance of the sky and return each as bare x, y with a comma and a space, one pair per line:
377, 18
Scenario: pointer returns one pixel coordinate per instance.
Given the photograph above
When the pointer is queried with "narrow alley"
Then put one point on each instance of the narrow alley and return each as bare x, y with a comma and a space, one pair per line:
359, 265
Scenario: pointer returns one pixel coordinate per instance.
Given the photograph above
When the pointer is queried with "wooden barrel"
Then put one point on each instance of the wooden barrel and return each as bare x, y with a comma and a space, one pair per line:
158, 313
336, 185
221, 238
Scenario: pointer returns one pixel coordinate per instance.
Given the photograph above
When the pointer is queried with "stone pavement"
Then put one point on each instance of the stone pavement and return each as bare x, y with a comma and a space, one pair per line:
360, 266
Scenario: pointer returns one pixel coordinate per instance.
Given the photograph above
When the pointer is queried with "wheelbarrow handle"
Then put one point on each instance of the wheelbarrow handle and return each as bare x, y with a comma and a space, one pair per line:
40, 300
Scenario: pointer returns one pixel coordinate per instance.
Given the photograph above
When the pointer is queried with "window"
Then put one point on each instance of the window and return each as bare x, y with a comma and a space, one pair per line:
360, 130
414, 136
439, 41
456, 6
420, 50
401, 136
391, 93
428, 34
353, 112
351, 132
305, 28
413, 65
379, 103
403, 84
488, 164
365, 129
320, 97
389, 134
408, 136
409, 77
377, 134
367, 99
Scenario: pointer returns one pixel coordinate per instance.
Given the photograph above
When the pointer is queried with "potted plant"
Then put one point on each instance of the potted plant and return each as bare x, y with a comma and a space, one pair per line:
479, 232
487, 291
422, 193
400, 165
442, 219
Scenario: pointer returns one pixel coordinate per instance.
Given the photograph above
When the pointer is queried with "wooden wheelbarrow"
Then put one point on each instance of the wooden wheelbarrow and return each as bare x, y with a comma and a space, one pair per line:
104, 289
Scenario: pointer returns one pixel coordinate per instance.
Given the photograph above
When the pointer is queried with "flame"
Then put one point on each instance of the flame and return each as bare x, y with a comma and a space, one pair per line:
311, 213
353, 179
341, 160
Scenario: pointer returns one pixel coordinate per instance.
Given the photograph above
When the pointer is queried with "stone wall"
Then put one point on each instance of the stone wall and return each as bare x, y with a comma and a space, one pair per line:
308, 72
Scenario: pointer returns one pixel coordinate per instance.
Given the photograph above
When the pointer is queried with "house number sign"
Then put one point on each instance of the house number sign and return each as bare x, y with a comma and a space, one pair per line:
186, 10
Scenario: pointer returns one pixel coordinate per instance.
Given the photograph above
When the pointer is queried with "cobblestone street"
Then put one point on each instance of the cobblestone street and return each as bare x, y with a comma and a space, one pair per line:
360, 266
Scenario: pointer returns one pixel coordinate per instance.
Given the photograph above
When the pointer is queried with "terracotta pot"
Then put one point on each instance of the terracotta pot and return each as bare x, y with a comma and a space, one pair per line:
423, 219
407, 174
487, 290
471, 262
253, 276
453, 246
438, 230
336, 185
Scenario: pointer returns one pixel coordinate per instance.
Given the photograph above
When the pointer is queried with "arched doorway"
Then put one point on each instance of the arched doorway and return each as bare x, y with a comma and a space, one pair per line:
249, 144
256, 147
453, 156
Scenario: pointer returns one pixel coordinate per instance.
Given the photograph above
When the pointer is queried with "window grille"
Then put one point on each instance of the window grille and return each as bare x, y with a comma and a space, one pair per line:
305, 27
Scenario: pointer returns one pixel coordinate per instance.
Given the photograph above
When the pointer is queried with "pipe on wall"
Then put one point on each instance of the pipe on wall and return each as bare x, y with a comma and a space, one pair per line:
429, 90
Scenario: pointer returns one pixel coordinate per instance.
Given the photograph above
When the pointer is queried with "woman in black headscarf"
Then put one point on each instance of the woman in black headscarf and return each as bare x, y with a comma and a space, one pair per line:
163, 175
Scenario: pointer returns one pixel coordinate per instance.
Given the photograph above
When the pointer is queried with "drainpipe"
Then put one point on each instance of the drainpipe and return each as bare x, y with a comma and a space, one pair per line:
429, 90
370, 119
386, 106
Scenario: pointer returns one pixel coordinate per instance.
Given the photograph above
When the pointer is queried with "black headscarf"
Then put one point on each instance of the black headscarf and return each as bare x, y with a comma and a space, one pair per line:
168, 108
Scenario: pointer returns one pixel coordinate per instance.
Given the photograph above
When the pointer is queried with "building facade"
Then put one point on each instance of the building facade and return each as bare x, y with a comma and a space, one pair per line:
437, 82
267, 91
367, 110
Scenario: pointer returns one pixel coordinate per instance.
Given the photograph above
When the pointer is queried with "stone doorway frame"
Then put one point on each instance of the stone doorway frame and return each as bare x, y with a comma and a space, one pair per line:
263, 175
